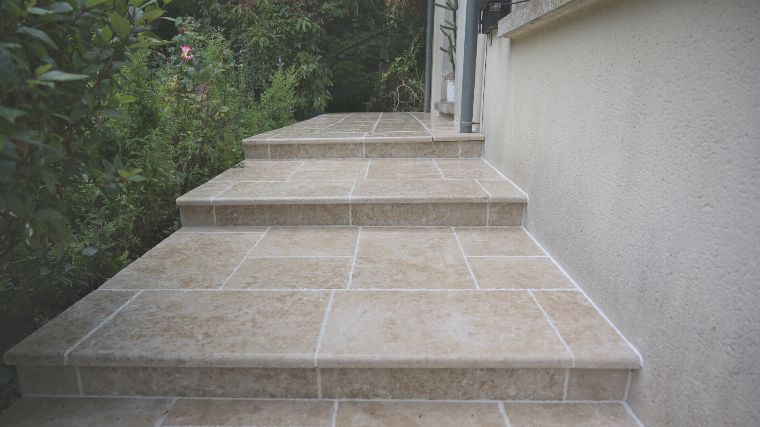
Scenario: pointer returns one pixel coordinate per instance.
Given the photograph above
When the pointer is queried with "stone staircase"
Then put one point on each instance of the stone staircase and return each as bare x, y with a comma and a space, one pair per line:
356, 269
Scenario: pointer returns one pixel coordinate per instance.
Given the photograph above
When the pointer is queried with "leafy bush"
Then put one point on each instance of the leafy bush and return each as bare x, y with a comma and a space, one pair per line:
93, 160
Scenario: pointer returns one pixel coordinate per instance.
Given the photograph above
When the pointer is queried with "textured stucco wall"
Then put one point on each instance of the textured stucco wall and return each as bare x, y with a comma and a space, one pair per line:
634, 126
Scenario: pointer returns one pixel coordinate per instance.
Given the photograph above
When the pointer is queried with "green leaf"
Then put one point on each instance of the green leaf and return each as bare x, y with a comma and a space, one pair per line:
106, 33
137, 178
60, 7
152, 15
89, 251
38, 11
10, 114
42, 69
38, 34
60, 76
93, 3
119, 24
125, 99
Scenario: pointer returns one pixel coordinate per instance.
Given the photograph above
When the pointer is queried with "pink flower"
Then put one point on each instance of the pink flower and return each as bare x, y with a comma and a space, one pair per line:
185, 55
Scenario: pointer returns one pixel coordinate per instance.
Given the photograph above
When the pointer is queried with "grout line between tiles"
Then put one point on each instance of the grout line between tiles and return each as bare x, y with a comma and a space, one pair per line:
593, 304
566, 383
106, 320
319, 384
334, 414
353, 263
290, 175
632, 414
79, 380
554, 327
377, 122
466, 261
341, 399
505, 177
169, 407
245, 257
322, 329
627, 385
443, 176
350, 196
504, 416
366, 173
488, 205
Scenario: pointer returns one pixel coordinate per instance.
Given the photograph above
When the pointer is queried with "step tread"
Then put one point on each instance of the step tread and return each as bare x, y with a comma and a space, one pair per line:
337, 297
366, 127
356, 180
91, 411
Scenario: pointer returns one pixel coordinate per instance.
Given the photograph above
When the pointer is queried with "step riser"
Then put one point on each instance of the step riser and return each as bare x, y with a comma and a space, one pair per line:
373, 150
432, 384
360, 214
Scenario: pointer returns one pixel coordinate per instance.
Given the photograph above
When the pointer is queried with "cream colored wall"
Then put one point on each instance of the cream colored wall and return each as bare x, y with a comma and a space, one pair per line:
634, 126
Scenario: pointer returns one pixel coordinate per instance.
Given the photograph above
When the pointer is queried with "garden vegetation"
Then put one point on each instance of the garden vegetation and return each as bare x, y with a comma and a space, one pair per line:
111, 109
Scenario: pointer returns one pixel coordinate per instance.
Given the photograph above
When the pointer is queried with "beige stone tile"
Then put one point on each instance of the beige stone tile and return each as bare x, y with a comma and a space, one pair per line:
409, 258
418, 191
334, 164
432, 414
419, 214
203, 194
507, 241
388, 148
456, 384
328, 175
90, 412
49, 344
247, 413
444, 329
506, 214
283, 214
291, 273
597, 384
194, 215
223, 329
403, 169
259, 170
49, 380
484, 173
200, 382
568, 415
186, 261
253, 150
503, 191
471, 149
466, 164
206, 382
291, 192
308, 241
591, 338
321, 150
518, 273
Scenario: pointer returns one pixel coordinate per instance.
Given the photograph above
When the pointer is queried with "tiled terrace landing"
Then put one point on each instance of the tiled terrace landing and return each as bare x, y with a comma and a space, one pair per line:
100, 412
367, 135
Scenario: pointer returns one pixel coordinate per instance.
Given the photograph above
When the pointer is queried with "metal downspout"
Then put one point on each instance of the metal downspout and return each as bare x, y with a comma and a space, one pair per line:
428, 56
468, 65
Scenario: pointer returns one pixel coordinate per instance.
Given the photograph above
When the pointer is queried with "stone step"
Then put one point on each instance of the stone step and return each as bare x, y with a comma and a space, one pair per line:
374, 192
334, 312
98, 412
366, 135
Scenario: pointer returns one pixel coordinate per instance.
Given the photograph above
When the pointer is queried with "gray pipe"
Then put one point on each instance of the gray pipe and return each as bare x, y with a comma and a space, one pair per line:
468, 65
428, 55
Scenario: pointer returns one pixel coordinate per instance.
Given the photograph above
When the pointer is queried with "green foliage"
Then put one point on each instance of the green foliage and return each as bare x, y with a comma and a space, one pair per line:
98, 155
402, 84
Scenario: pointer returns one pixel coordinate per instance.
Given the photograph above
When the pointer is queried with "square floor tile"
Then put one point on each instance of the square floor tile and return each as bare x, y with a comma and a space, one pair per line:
186, 260
496, 241
84, 412
246, 413
568, 415
419, 414
590, 337
442, 329
410, 258
518, 273
308, 241
292, 273
403, 169
221, 329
